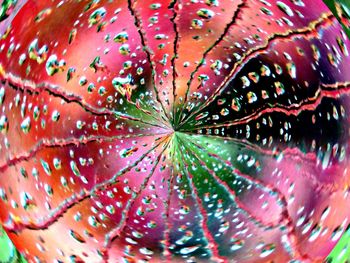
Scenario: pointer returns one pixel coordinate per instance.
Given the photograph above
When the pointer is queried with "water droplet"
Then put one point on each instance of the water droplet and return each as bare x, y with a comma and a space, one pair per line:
128, 152
6, 8
188, 250
46, 167
55, 116
285, 8
121, 37
205, 13
74, 168
97, 16
236, 244
267, 250
77, 236
26, 125
53, 65
146, 251
36, 53
197, 23
4, 124
27, 201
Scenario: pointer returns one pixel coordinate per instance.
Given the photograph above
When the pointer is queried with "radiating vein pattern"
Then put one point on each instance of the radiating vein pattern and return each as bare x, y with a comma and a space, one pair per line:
174, 131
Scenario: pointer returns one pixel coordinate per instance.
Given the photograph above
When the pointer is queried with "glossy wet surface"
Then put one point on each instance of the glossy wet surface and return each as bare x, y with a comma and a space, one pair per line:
183, 131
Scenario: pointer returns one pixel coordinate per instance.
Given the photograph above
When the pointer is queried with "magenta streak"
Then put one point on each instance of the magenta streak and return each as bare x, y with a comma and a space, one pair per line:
46, 221
288, 35
235, 16
294, 109
116, 232
211, 241
219, 39
292, 153
239, 204
56, 143
138, 25
285, 218
168, 225
176, 46
69, 97
17, 225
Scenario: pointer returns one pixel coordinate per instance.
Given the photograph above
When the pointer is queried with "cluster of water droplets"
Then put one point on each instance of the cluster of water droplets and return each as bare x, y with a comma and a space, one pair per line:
184, 131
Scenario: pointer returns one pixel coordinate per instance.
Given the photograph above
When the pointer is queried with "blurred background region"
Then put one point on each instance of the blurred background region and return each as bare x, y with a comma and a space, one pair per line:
340, 254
